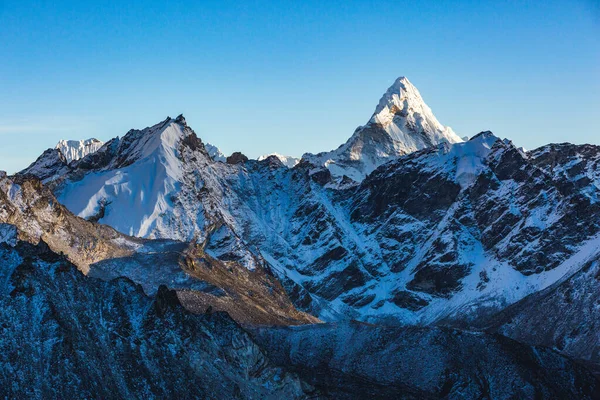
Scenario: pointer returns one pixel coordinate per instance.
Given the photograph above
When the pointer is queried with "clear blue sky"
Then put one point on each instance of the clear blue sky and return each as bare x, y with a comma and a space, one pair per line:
293, 76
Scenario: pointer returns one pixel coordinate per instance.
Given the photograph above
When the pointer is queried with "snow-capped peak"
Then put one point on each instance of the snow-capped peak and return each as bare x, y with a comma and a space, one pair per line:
142, 172
288, 161
395, 97
159, 142
402, 123
402, 110
77, 149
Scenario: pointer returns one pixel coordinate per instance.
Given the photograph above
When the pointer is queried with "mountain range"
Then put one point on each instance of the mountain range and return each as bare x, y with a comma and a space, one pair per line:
406, 263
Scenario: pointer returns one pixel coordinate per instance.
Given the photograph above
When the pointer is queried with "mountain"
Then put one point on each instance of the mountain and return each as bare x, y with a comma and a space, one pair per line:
447, 232
76, 149
215, 153
204, 274
54, 163
288, 161
68, 335
401, 124
452, 252
563, 316
94, 338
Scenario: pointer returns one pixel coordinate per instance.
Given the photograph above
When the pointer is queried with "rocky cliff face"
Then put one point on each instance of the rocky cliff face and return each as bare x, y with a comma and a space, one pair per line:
30, 212
354, 360
67, 335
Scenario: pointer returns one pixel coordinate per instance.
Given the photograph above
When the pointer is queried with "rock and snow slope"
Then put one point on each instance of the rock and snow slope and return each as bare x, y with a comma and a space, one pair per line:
447, 232
143, 179
65, 335
353, 360
54, 163
203, 273
409, 225
401, 124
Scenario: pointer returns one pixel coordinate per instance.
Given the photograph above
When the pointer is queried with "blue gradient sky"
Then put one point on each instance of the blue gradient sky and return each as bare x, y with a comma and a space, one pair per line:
293, 76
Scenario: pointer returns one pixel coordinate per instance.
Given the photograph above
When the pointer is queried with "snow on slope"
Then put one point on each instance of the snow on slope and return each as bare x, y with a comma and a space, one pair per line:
288, 161
77, 149
143, 189
424, 261
433, 233
51, 165
154, 184
403, 100
215, 153
402, 123
444, 230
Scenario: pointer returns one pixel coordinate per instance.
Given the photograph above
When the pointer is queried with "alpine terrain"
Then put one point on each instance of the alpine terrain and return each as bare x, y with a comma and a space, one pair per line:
407, 263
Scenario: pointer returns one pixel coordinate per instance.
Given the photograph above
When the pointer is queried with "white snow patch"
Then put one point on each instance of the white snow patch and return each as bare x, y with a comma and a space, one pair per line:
77, 149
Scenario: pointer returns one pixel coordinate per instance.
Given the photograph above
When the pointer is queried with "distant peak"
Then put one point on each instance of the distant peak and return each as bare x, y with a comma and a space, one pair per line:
402, 80
76, 149
181, 120
86, 141
483, 135
288, 161
401, 96
214, 152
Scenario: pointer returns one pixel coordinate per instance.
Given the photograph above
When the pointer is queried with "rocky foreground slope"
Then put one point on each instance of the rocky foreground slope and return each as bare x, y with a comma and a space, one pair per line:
202, 281
68, 335
355, 360
65, 335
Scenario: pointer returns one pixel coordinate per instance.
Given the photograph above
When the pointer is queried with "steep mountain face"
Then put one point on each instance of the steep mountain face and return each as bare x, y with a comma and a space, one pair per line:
503, 227
65, 335
572, 167
77, 149
54, 163
446, 233
51, 165
201, 272
401, 124
565, 315
354, 360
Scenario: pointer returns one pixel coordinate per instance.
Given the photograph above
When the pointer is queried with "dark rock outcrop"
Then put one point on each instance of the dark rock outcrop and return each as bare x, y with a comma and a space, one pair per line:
65, 335
237, 158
